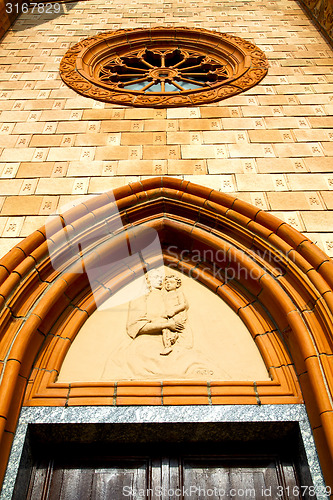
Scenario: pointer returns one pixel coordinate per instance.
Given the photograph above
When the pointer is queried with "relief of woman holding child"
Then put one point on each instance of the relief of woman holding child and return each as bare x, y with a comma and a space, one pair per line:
162, 345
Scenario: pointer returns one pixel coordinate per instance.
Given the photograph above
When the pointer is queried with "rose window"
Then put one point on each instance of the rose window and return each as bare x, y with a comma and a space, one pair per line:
163, 66
163, 71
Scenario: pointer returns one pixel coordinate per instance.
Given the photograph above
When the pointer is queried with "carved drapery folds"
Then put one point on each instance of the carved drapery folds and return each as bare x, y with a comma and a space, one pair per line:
163, 67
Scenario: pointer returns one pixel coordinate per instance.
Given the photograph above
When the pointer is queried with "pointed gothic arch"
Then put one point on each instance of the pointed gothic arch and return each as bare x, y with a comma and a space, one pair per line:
281, 288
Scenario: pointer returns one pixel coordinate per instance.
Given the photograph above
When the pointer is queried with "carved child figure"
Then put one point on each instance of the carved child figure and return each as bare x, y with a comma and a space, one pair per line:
176, 307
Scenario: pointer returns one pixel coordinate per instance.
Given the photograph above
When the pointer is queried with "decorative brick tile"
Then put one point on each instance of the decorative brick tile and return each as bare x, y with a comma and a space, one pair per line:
142, 167
28, 187
220, 112
250, 150
102, 184
48, 205
228, 166
12, 227
200, 124
259, 200
308, 182
159, 152
327, 197
80, 186
298, 150
142, 138
269, 136
327, 243
318, 221
243, 123
55, 185
160, 125
31, 224
225, 137
17, 205
313, 135
319, 164
294, 201
254, 182
184, 113
118, 153
9, 170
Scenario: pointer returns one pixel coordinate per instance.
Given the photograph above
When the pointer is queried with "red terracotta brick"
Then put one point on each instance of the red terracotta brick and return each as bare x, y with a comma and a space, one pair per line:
222, 199
313, 254
16, 404
139, 390
290, 235
326, 271
245, 208
310, 401
93, 400
92, 391
236, 391
239, 400
46, 402
7, 389
133, 400
319, 321
318, 386
268, 220
186, 391
185, 400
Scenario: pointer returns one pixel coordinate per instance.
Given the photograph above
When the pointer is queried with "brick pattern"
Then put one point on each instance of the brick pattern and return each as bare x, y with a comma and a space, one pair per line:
272, 145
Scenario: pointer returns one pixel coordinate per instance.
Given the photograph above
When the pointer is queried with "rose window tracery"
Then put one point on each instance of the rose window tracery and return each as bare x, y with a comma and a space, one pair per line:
170, 70
163, 67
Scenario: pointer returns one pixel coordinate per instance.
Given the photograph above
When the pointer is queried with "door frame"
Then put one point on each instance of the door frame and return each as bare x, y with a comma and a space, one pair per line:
153, 415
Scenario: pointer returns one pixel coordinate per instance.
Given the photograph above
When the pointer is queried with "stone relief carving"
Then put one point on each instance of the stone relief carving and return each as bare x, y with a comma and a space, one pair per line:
163, 311
175, 329
162, 337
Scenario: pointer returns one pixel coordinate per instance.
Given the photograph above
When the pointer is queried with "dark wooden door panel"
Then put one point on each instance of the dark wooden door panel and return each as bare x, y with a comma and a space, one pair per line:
120, 480
40, 479
70, 483
200, 476
236, 481
162, 478
165, 478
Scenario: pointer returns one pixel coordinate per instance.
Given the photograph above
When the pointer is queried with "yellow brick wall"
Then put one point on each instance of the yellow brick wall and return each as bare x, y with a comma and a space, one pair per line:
272, 145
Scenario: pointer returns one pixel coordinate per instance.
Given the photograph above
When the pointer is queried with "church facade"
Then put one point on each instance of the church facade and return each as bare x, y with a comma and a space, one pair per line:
166, 224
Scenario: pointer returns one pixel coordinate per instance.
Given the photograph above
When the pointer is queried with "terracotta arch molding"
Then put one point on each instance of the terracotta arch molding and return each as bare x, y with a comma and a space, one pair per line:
281, 288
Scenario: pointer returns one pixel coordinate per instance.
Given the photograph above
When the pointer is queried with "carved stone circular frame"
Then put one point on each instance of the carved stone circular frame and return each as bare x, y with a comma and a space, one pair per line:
246, 65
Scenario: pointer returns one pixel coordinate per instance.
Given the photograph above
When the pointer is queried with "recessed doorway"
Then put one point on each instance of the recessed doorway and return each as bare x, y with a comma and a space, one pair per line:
150, 461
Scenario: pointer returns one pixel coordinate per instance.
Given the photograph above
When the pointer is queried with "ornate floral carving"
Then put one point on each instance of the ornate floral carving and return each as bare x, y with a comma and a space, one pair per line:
163, 67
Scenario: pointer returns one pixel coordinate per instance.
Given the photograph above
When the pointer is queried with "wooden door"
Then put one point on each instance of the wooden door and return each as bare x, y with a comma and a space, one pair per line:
165, 478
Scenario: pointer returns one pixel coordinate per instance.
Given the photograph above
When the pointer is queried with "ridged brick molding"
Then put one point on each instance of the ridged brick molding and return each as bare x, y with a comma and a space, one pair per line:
282, 291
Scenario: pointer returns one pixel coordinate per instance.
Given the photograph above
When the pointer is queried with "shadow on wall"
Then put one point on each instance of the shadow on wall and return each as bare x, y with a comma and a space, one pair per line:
322, 12
28, 14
